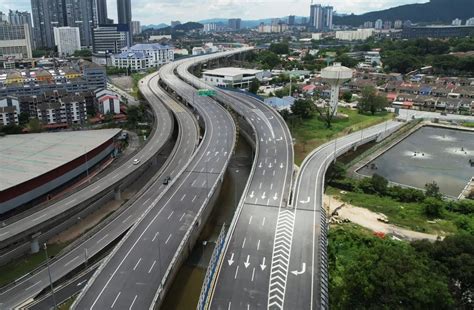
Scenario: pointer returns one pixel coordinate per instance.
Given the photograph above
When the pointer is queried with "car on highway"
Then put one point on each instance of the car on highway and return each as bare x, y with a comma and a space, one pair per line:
136, 161
166, 180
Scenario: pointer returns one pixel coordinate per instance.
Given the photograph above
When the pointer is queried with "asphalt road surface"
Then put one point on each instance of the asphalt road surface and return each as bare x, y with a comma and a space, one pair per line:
31, 285
133, 275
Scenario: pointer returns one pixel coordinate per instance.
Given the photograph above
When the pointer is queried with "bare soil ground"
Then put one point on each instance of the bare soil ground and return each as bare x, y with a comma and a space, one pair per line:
369, 220
123, 82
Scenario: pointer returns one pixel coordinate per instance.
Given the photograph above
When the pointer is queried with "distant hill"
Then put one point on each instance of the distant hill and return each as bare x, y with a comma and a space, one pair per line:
435, 11
179, 28
159, 26
246, 23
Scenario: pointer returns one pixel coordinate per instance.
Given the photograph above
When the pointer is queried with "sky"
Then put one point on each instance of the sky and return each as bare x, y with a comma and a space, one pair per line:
163, 11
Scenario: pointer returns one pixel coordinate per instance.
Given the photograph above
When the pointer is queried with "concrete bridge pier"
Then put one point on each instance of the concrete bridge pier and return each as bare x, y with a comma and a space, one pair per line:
118, 194
34, 244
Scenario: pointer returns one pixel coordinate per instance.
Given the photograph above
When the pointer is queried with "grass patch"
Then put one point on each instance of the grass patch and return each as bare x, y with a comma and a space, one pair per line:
27, 263
468, 124
311, 133
408, 215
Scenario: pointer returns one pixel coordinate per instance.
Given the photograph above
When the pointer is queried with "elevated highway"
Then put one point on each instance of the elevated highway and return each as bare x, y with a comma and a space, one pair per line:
140, 269
31, 285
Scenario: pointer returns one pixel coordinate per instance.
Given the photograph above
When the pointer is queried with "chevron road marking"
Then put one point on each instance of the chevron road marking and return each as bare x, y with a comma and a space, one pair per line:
280, 258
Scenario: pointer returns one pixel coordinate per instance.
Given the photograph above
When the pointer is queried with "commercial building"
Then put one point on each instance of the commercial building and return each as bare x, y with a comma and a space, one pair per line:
107, 40
291, 20
47, 14
33, 165
144, 56
136, 28
15, 41
234, 24
437, 32
108, 102
9, 111
67, 40
355, 35
321, 17
80, 13
21, 18
231, 77
101, 17
124, 14
273, 28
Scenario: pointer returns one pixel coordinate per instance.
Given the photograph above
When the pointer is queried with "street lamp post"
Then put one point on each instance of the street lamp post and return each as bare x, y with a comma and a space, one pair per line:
49, 274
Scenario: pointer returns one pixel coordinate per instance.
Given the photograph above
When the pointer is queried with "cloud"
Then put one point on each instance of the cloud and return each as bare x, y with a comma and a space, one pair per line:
163, 11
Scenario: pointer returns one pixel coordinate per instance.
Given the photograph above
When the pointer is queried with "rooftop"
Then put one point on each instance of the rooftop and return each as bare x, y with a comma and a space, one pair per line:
27, 156
231, 71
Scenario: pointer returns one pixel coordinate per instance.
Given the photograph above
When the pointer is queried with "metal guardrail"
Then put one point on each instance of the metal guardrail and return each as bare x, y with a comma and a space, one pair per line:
211, 269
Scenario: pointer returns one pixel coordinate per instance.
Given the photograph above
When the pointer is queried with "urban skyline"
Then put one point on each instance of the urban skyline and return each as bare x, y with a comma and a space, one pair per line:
164, 12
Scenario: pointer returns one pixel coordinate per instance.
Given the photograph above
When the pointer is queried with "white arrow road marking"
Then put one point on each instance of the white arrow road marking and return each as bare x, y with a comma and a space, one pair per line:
281, 166
263, 266
252, 194
270, 165
231, 260
305, 201
247, 263
275, 197
279, 139
296, 272
263, 196
260, 165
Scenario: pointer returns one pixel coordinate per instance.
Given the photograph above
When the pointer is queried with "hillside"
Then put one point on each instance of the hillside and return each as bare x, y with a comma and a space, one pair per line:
435, 11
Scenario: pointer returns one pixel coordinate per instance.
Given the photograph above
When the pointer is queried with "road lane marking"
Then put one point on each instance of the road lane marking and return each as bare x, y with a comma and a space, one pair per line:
146, 201
243, 243
102, 239
71, 202
168, 239
30, 287
151, 268
125, 220
171, 214
115, 300
263, 221
253, 273
231, 260
258, 244
235, 276
69, 262
250, 219
182, 216
136, 265
156, 234
131, 306
247, 262
184, 196
36, 219
194, 198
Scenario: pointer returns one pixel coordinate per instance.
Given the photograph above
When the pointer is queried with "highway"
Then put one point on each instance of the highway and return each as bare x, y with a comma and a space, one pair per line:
35, 222
306, 285
28, 287
248, 262
135, 275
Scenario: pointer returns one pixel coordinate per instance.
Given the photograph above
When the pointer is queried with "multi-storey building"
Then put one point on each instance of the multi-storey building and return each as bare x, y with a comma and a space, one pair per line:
15, 41
144, 56
136, 27
234, 24
67, 40
378, 24
9, 111
124, 14
111, 38
321, 17
47, 14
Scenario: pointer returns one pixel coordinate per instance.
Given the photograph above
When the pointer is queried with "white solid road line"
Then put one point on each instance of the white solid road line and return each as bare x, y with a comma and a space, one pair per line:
125, 220
115, 300
131, 306
136, 265
102, 239
70, 202
69, 262
36, 219
30, 287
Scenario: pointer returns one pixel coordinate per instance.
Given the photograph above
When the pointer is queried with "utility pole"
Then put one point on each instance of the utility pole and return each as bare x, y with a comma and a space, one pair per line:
55, 306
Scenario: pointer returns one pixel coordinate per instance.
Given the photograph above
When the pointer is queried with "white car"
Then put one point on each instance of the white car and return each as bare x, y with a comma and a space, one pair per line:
136, 161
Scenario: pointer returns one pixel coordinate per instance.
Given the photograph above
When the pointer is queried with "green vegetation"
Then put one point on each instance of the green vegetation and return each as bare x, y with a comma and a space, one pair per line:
268, 60
83, 53
366, 272
371, 102
312, 132
468, 124
28, 263
280, 48
116, 71
254, 86
406, 207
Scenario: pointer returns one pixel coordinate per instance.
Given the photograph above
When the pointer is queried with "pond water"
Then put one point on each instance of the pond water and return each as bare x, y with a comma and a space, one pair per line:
429, 154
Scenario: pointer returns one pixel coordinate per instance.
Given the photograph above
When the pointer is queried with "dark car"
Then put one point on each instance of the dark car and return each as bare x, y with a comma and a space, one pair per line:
166, 180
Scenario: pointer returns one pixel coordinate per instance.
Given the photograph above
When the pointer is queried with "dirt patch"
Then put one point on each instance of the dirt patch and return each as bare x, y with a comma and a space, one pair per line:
370, 220
123, 82
88, 222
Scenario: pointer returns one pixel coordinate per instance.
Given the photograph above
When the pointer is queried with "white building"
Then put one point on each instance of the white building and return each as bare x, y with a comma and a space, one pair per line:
9, 111
273, 28
470, 22
15, 41
378, 24
456, 22
136, 27
232, 77
67, 39
372, 57
354, 35
144, 56
108, 101
210, 27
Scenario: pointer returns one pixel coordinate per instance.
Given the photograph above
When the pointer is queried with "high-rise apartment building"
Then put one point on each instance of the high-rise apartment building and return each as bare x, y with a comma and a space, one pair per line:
80, 14
15, 41
136, 27
67, 40
234, 24
21, 18
100, 8
291, 20
470, 21
321, 18
124, 14
47, 14
378, 24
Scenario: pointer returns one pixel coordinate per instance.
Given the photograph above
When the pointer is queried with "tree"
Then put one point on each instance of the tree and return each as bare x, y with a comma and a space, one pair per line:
371, 101
23, 118
347, 96
254, 86
336, 171
35, 125
326, 112
379, 183
389, 275
82, 53
285, 114
279, 48
303, 108
347, 61
432, 190
268, 59
433, 207
11, 129
133, 116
